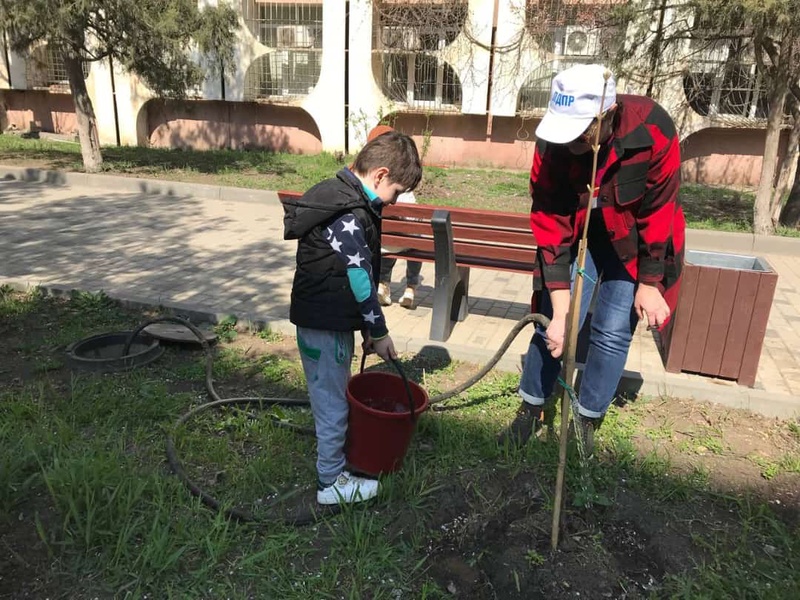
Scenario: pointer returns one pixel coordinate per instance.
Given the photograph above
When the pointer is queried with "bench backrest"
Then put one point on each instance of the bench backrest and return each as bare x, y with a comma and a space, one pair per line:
498, 240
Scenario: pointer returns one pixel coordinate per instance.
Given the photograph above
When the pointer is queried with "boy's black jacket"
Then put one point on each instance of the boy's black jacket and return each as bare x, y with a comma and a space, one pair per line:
321, 294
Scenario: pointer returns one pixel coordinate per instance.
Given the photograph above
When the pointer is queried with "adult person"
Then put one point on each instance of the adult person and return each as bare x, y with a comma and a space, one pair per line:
635, 241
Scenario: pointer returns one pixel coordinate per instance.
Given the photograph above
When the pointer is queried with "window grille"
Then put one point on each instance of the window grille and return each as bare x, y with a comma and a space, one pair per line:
723, 79
567, 33
293, 32
407, 58
45, 69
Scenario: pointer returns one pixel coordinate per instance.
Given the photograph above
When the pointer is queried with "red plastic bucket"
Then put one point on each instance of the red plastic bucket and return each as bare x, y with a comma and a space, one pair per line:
380, 425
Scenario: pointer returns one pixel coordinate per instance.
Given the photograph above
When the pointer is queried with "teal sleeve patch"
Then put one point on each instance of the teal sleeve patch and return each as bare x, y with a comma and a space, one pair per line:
360, 283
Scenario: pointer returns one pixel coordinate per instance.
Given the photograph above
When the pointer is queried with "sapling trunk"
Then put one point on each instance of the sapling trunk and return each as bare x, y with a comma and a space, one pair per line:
571, 335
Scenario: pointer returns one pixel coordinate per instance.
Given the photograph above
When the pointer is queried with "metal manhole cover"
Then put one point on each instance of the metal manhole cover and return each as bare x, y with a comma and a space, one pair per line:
103, 353
180, 334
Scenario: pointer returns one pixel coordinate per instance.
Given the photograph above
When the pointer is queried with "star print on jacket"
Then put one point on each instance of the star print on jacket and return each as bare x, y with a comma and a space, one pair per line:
348, 241
350, 227
354, 259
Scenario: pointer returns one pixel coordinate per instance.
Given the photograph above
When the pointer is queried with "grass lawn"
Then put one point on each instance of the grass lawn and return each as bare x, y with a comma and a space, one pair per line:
489, 189
684, 500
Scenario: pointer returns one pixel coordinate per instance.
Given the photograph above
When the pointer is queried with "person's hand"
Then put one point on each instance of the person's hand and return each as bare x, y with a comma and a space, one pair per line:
384, 347
366, 342
555, 336
649, 301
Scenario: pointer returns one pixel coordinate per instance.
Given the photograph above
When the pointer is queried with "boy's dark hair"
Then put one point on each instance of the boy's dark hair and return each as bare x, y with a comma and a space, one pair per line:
395, 151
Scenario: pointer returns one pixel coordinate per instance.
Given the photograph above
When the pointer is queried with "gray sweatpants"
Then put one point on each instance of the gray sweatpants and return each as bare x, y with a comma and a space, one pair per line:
326, 357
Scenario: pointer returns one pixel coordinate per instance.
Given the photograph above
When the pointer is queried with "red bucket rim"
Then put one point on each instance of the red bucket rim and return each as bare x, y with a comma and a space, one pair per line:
419, 409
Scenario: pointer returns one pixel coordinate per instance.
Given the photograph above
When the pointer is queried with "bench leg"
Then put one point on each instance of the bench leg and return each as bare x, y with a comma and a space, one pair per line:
450, 303
451, 292
460, 302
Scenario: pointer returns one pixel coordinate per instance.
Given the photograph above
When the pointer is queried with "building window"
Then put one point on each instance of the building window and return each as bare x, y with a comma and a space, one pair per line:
722, 80
45, 69
408, 62
293, 32
567, 33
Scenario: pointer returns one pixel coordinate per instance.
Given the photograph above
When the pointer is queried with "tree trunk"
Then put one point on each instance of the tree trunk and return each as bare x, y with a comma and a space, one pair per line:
787, 172
84, 111
790, 215
656, 50
762, 218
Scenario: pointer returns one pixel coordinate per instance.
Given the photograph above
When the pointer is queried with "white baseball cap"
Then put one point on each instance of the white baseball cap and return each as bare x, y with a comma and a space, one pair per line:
574, 102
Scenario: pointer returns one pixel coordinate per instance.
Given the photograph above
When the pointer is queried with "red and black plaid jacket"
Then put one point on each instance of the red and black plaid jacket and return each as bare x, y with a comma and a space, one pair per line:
638, 198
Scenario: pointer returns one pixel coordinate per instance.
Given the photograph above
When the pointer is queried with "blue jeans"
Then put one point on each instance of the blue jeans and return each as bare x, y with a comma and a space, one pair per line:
613, 323
326, 358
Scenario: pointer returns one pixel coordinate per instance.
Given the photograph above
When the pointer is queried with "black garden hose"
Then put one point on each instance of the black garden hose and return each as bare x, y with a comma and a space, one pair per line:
537, 318
244, 515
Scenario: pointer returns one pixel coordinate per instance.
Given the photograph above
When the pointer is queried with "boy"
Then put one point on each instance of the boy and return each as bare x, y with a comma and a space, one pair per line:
413, 267
338, 227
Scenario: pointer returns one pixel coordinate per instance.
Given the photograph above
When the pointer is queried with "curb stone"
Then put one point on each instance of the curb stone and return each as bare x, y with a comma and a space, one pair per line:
192, 312
150, 187
738, 243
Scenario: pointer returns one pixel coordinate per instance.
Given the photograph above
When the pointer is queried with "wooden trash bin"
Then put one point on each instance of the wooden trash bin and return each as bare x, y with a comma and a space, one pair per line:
721, 318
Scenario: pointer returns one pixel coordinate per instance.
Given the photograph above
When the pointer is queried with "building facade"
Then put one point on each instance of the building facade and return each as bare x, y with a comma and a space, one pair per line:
469, 79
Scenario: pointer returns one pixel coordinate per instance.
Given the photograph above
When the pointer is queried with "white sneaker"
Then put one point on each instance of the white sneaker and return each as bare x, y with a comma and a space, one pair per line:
348, 489
407, 299
384, 294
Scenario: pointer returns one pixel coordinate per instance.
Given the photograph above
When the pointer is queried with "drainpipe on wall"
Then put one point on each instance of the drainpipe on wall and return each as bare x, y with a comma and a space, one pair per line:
347, 77
8, 62
492, 49
114, 98
229, 144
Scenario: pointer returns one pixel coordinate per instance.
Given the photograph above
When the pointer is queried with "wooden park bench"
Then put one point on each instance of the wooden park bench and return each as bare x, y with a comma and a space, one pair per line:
455, 240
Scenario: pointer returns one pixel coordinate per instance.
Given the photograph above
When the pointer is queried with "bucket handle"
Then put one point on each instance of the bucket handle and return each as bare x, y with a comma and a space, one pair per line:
401, 372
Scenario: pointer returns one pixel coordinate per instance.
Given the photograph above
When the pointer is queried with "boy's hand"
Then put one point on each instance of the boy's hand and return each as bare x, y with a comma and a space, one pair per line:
366, 343
384, 347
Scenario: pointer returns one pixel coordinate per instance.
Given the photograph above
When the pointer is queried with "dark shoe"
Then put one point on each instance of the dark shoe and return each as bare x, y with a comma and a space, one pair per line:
584, 431
529, 419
